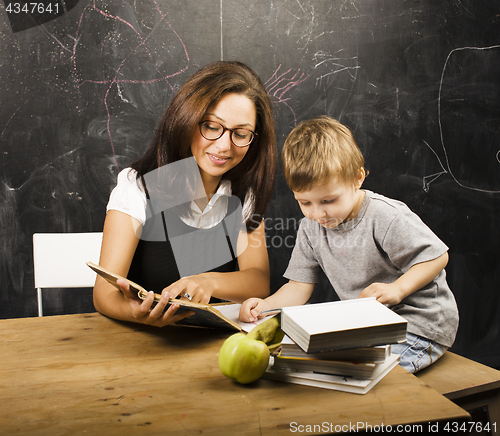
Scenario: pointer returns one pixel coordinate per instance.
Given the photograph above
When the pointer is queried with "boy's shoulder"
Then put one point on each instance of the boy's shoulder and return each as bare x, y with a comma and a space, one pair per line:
386, 203
386, 210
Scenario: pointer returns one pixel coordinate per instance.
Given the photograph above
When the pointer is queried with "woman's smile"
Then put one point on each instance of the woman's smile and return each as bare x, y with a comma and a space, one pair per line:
217, 159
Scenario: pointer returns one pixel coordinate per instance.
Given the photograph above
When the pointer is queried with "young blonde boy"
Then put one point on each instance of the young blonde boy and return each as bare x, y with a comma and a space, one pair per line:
368, 245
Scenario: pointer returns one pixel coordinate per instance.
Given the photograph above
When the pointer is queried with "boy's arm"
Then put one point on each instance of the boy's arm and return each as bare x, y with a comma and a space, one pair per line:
290, 294
414, 279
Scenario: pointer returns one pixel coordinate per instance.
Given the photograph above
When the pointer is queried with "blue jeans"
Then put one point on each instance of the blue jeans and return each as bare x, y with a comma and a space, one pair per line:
417, 352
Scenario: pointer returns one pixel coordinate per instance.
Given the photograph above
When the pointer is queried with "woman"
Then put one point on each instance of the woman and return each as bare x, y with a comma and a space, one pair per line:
221, 117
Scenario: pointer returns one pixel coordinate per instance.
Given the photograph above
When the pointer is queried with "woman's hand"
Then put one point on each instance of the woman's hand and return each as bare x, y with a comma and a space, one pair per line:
197, 289
143, 312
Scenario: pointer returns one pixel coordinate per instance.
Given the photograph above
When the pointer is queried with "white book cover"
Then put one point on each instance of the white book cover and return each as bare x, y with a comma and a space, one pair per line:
341, 315
363, 321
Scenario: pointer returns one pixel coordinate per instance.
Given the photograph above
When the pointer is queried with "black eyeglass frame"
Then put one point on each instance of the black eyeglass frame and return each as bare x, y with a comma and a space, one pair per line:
224, 128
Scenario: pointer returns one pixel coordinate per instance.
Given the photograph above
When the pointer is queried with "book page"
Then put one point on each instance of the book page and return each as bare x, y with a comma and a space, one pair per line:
232, 312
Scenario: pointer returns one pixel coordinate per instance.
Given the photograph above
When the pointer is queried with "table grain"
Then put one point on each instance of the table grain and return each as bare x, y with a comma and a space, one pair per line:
88, 374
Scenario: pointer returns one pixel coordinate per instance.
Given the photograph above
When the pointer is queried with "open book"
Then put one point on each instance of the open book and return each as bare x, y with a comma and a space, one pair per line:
205, 315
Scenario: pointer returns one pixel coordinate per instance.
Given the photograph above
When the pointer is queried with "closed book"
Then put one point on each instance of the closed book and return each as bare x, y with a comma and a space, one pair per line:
335, 367
328, 381
375, 354
338, 325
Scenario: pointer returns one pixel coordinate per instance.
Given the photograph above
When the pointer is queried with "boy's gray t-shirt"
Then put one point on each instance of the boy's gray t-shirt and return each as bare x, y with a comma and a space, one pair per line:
379, 245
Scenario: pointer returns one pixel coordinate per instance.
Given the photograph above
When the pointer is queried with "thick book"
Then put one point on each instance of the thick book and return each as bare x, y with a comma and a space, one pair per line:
366, 370
328, 381
205, 315
375, 354
361, 322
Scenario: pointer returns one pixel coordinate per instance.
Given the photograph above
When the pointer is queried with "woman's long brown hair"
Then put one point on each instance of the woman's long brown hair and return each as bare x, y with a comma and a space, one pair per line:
173, 137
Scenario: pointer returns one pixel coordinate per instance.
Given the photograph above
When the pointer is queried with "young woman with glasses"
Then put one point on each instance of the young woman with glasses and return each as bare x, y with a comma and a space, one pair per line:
222, 118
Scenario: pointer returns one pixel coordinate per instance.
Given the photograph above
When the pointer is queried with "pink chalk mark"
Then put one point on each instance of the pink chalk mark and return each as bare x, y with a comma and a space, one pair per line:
133, 51
278, 85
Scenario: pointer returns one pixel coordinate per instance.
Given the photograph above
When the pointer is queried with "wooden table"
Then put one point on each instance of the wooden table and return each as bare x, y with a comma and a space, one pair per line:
469, 384
76, 374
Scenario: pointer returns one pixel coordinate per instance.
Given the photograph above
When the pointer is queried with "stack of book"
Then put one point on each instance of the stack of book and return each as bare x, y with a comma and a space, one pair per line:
343, 345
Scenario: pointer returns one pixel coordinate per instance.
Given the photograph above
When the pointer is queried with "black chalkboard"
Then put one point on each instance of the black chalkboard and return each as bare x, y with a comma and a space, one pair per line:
417, 81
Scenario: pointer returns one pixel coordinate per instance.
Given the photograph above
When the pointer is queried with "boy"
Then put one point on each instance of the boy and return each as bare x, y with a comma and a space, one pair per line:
368, 245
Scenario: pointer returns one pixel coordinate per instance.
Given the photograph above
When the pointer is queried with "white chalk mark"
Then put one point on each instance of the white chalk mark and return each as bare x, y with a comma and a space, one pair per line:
435, 176
12, 116
338, 64
301, 6
42, 168
221, 35
426, 184
449, 171
53, 37
294, 16
343, 7
119, 88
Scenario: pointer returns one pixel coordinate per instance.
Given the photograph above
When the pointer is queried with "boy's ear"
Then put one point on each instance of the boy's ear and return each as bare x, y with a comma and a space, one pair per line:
361, 178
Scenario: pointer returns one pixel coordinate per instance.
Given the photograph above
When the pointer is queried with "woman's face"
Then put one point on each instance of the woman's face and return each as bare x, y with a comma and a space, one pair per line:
217, 157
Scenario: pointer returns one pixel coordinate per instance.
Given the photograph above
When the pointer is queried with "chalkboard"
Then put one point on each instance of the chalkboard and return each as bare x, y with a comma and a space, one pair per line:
418, 82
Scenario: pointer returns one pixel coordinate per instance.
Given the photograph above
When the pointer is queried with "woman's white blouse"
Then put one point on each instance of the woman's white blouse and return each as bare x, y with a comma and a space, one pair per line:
129, 197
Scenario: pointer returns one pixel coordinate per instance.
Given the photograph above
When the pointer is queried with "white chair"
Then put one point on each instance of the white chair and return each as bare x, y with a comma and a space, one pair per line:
60, 260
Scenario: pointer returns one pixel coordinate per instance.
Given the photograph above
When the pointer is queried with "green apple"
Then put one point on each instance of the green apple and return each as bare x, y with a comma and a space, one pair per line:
243, 359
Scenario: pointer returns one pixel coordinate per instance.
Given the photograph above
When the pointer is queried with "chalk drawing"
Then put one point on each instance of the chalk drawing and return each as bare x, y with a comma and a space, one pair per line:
279, 84
447, 167
119, 77
221, 36
322, 33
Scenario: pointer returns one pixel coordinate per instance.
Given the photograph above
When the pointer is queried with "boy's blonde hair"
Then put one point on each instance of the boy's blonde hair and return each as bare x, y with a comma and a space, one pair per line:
318, 150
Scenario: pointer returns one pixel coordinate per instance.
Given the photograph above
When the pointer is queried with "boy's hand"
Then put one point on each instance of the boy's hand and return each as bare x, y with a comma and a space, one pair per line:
251, 308
411, 281
385, 293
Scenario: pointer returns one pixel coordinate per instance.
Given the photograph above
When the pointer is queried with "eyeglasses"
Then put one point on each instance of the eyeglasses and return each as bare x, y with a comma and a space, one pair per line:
213, 130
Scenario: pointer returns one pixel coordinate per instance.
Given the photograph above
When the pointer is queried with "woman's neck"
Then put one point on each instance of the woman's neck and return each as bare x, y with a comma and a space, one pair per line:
211, 184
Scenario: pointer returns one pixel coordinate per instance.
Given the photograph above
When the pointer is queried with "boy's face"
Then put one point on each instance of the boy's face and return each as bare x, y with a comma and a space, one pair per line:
331, 203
